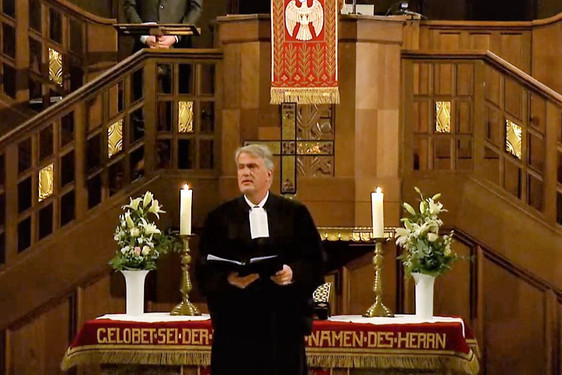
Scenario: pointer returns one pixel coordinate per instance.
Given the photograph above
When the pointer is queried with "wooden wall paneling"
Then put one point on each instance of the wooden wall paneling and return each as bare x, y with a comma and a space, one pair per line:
22, 51
80, 131
515, 309
359, 281
480, 40
514, 47
11, 188
452, 292
553, 130
3, 351
557, 350
515, 101
552, 332
102, 295
478, 320
546, 60
37, 346
359, 284
480, 118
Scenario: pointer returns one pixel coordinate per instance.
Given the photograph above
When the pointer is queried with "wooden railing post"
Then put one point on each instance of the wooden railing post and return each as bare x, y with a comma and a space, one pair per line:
11, 165
22, 50
81, 190
479, 118
150, 115
552, 132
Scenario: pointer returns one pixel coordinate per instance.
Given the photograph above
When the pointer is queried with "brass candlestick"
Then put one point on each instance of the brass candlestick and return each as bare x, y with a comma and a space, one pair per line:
378, 308
185, 307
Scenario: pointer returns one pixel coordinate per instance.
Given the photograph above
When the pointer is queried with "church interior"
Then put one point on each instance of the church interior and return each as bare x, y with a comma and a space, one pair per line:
462, 98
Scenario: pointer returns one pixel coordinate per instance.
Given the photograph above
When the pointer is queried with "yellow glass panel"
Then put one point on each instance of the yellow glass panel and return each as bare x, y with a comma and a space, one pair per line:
288, 121
185, 117
443, 117
55, 66
115, 138
46, 182
513, 138
315, 148
288, 175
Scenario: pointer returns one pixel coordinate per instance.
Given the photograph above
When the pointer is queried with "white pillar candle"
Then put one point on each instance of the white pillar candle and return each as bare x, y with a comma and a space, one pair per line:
186, 195
378, 213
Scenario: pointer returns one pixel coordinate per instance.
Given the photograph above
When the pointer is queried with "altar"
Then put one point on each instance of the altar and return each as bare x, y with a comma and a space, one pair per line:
402, 343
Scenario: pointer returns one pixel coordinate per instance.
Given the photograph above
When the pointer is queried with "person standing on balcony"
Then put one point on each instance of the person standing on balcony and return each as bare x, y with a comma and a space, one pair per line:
260, 321
162, 11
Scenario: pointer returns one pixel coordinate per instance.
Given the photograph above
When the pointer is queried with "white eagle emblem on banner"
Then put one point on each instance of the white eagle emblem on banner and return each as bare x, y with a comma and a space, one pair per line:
304, 15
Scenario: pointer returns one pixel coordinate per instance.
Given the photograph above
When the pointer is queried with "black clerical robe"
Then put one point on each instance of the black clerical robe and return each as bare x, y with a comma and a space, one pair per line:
260, 330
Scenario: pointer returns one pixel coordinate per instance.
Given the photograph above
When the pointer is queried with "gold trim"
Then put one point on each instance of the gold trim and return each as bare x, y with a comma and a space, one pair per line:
185, 117
55, 66
115, 138
443, 117
316, 357
353, 234
312, 95
46, 182
513, 135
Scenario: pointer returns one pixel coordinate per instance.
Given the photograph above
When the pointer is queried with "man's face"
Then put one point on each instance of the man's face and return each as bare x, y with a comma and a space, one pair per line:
254, 179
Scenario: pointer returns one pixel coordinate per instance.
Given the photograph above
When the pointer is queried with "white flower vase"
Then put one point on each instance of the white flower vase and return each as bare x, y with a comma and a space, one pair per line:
134, 283
424, 295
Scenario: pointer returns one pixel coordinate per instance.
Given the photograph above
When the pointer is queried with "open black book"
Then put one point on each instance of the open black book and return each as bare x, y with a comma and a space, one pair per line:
265, 266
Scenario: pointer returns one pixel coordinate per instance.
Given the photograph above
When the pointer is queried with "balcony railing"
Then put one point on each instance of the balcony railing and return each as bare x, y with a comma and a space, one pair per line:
474, 112
155, 110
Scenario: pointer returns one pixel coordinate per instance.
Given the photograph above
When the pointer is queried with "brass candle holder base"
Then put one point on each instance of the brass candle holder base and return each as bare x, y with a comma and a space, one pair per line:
185, 307
378, 308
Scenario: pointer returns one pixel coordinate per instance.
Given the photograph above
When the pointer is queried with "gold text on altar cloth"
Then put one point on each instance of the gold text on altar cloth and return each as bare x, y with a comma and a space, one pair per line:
382, 340
154, 336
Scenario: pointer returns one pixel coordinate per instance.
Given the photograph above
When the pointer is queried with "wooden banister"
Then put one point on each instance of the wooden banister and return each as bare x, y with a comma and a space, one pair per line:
105, 80
491, 59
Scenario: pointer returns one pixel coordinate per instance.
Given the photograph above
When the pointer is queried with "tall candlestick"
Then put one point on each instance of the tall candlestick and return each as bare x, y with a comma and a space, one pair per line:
186, 195
378, 214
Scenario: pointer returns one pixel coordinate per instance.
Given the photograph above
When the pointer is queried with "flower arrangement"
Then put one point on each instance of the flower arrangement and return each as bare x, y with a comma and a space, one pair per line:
425, 251
139, 239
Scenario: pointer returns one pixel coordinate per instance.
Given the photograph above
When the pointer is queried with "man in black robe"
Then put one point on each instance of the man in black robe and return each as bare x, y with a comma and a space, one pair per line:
260, 321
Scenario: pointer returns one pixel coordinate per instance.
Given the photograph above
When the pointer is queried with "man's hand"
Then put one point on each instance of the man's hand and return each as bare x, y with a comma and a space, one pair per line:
242, 281
166, 41
151, 41
283, 277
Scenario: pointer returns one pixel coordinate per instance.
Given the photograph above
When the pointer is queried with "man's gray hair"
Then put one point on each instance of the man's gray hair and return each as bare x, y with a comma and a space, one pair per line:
257, 150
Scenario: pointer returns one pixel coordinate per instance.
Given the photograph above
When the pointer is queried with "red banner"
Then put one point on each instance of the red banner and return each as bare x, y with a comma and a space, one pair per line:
304, 46
438, 345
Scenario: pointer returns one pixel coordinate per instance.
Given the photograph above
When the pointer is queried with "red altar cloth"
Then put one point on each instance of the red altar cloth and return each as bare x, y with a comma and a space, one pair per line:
439, 346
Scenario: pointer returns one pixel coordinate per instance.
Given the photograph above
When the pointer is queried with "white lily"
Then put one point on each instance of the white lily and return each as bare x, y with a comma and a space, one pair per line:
155, 208
150, 228
432, 237
145, 250
134, 232
129, 220
147, 199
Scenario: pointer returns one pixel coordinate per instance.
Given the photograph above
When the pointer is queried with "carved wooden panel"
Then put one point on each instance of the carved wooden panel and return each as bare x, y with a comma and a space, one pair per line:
104, 295
511, 44
37, 346
519, 316
443, 101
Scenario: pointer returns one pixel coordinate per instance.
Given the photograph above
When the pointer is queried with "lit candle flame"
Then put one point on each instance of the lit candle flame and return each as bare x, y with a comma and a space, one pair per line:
379, 190
186, 187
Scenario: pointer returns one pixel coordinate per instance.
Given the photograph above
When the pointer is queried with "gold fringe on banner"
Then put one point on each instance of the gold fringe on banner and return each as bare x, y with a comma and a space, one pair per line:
130, 356
311, 95
468, 366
